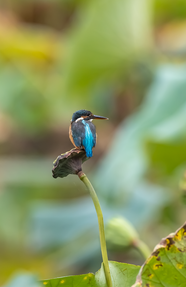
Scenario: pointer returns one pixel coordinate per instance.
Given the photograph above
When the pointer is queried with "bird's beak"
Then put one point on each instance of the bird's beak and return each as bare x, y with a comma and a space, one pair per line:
99, 117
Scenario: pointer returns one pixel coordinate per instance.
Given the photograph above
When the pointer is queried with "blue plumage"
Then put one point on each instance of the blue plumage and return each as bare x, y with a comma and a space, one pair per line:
89, 140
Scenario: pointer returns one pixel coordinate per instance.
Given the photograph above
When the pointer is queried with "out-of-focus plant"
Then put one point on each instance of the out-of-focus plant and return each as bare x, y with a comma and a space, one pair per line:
165, 11
22, 280
29, 62
120, 234
151, 146
109, 41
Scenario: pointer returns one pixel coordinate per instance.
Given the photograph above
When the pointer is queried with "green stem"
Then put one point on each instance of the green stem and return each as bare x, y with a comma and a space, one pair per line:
143, 248
92, 192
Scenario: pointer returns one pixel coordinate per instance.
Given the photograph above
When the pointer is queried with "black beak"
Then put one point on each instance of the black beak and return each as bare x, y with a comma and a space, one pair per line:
98, 117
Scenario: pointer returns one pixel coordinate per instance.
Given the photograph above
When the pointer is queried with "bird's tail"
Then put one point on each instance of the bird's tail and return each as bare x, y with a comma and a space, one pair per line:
88, 151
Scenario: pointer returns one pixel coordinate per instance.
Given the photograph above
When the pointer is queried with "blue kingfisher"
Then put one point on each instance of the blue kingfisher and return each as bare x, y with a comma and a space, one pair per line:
82, 131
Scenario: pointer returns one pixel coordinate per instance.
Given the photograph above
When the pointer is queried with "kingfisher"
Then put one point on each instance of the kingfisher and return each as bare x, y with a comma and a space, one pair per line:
82, 132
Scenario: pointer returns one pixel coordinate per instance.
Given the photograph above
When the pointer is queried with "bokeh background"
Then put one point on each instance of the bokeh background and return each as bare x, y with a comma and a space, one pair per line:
124, 59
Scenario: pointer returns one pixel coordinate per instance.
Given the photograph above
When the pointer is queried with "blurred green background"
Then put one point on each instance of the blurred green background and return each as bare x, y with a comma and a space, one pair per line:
123, 59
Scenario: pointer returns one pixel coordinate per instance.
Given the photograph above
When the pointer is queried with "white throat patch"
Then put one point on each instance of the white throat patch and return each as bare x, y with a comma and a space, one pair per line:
79, 119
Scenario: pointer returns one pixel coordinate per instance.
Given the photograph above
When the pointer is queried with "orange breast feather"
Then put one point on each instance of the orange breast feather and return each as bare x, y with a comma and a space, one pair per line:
71, 137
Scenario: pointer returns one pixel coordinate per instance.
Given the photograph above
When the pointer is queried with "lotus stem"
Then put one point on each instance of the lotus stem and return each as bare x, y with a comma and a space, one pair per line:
95, 199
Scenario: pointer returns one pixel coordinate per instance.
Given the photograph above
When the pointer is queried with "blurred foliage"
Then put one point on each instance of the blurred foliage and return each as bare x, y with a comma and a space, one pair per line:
60, 56
120, 233
22, 280
122, 236
107, 43
140, 140
166, 10
28, 60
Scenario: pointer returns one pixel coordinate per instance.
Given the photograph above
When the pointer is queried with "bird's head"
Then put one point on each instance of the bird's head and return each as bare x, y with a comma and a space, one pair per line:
85, 115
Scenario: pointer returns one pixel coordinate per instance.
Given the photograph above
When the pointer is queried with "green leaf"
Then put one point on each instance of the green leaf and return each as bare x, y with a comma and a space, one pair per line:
167, 264
122, 275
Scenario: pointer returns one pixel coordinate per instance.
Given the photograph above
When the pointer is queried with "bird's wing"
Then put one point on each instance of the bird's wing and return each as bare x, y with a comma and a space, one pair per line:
77, 130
